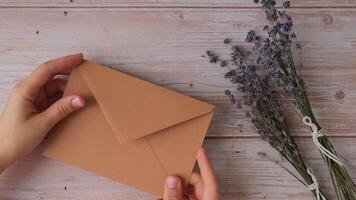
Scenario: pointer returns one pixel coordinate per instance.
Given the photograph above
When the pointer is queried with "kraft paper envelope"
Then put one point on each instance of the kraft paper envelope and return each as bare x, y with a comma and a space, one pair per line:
130, 130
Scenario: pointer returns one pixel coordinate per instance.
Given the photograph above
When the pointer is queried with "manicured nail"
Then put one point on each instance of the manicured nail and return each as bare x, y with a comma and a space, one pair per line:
77, 102
78, 54
172, 182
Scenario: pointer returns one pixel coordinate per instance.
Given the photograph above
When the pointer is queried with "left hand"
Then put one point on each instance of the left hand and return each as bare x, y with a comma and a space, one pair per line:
34, 107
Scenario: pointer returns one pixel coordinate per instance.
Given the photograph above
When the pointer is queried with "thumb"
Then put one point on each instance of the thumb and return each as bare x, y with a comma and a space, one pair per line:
173, 189
59, 110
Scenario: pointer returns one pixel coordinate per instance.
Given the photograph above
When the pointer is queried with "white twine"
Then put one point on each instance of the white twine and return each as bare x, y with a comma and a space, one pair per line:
319, 133
315, 185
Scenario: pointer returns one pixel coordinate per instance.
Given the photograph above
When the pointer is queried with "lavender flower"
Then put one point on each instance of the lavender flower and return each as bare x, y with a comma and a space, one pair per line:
286, 4
265, 111
212, 57
276, 56
227, 40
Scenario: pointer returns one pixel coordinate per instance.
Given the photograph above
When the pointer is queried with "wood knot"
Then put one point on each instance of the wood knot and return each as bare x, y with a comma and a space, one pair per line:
328, 19
180, 15
191, 84
339, 95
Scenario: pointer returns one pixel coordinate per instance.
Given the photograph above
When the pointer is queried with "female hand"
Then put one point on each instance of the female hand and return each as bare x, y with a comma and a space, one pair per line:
202, 187
34, 107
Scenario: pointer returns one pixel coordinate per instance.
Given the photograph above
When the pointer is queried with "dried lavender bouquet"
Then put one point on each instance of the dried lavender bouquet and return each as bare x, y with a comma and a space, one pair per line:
274, 53
266, 113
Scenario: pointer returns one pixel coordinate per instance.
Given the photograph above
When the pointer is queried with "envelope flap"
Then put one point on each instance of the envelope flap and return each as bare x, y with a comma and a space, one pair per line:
135, 108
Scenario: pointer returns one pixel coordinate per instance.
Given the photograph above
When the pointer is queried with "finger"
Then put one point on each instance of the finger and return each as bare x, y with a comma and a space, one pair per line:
206, 169
197, 184
60, 110
173, 189
195, 179
55, 86
53, 91
48, 70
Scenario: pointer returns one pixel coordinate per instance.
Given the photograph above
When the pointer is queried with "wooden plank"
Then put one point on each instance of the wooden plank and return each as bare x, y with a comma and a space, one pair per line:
166, 46
242, 174
168, 3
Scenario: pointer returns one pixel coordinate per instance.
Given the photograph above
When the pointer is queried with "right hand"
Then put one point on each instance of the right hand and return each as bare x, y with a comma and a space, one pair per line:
203, 186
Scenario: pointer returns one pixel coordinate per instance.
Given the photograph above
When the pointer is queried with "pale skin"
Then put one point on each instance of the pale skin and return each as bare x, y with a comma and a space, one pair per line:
36, 105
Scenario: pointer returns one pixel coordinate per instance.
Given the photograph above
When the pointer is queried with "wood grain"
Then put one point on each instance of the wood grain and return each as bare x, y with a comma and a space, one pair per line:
163, 41
166, 46
242, 175
168, 3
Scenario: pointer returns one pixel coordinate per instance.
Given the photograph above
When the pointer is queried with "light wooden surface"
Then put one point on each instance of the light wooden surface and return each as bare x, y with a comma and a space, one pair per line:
163, 42
169, 3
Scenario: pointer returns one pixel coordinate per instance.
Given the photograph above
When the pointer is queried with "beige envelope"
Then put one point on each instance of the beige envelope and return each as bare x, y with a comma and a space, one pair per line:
130, 130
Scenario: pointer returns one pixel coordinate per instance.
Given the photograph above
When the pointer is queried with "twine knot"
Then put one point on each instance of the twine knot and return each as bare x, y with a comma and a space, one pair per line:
316, 135
315, 185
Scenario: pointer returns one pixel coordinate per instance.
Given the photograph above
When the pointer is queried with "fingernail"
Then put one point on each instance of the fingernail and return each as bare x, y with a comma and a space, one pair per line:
78, 54
77, 102
172, 182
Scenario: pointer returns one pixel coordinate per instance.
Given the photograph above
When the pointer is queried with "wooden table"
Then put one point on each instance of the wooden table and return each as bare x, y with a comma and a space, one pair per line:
163, 41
